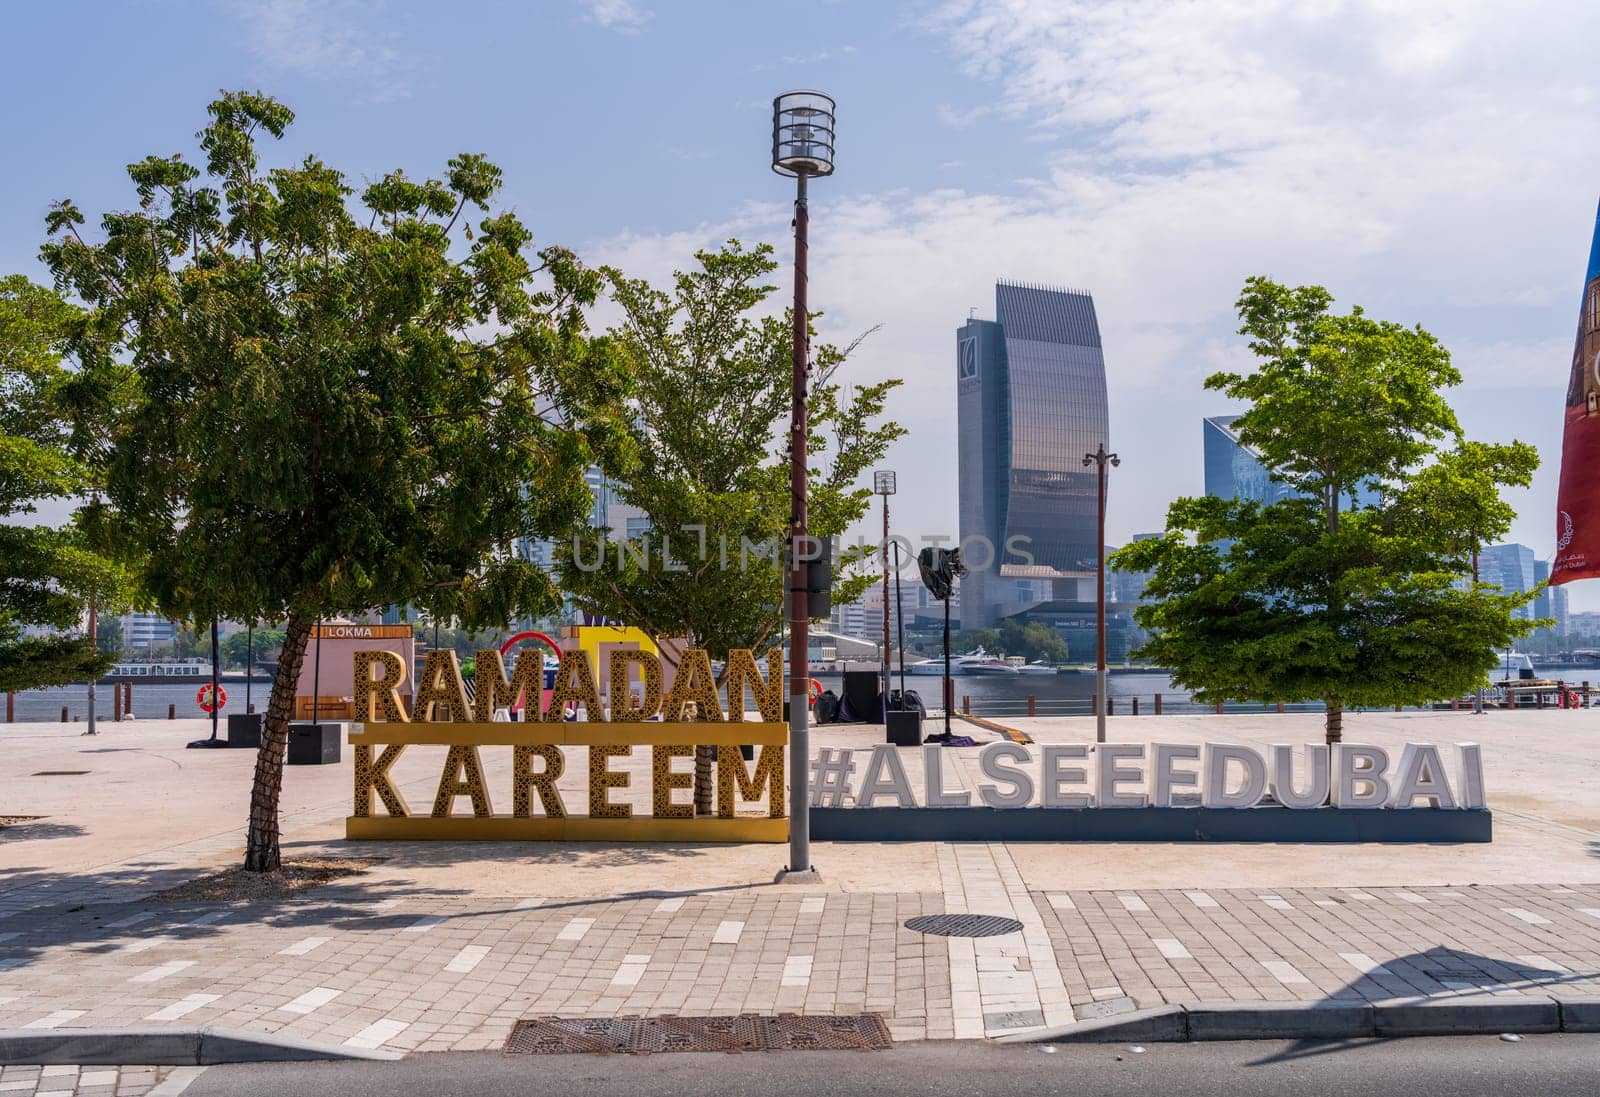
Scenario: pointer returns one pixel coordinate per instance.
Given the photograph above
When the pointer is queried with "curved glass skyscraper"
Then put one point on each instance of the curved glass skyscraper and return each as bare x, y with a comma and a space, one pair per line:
1031, 401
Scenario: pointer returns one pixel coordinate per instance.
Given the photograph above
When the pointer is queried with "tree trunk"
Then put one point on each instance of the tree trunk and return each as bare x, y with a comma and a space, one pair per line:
261, 852
704, 787
1335, 721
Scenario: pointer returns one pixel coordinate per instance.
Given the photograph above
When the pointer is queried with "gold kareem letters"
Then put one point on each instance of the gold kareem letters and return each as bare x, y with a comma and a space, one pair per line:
571, 715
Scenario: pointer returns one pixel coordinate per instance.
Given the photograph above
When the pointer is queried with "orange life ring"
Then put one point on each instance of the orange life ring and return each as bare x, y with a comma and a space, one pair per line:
517, 703
203, 697
814, 690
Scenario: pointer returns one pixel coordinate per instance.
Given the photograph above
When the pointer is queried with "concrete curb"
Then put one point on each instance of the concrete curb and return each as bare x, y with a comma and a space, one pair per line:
164, 1047
1471, 1015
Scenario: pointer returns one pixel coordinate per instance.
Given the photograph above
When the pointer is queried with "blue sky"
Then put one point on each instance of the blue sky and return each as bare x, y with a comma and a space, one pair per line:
1435, 163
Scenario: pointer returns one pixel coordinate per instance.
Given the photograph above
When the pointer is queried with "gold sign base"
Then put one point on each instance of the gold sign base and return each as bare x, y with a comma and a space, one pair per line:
572, 828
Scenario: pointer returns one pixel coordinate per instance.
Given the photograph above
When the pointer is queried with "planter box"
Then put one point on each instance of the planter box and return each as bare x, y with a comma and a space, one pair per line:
244, 729
315, 744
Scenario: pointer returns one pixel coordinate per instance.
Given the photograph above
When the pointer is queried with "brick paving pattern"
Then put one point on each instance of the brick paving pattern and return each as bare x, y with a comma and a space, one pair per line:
431, 954
96, 1081
432, 974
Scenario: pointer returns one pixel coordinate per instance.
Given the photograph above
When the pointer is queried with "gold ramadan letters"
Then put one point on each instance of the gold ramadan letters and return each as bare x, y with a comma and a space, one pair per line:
692, 714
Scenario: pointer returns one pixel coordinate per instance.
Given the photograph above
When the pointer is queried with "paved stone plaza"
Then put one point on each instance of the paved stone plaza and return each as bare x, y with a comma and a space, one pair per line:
97, 1081
443, 946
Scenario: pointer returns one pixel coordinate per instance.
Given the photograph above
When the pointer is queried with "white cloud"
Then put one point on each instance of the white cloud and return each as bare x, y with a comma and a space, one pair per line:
961, 119
622, 16
338, 40
1430, 161
822, 56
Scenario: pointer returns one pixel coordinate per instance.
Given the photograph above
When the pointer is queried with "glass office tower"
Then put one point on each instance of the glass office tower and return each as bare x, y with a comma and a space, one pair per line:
1233, 471
1031, 401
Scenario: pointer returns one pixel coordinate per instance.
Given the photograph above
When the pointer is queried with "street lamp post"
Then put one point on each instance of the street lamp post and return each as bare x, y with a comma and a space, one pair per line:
94, 642
1101, 459
802, 146
1477, 695
883, 483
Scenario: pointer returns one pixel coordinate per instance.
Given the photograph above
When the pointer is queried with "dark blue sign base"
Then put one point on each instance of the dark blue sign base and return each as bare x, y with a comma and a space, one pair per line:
1263, 824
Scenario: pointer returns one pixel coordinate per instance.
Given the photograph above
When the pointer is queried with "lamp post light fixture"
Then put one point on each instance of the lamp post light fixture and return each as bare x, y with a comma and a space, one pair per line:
1101, 459
883, 483
802, 147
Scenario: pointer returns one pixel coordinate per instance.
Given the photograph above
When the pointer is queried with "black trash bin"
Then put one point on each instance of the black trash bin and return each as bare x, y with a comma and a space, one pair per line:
904, 727
315, 744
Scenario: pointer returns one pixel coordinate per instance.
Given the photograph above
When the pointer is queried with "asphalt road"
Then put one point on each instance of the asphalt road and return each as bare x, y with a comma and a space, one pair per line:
1443, 1067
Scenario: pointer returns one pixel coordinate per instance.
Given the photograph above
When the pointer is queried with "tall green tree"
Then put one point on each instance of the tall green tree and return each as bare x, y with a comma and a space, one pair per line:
345, 399
50, 575
258, 646
709, 472
1315, 597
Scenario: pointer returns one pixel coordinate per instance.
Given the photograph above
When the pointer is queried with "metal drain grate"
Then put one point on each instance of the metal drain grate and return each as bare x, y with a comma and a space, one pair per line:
964, 925
649, 1035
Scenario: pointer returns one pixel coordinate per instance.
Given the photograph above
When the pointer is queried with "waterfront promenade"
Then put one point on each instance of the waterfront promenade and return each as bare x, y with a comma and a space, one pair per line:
442, 946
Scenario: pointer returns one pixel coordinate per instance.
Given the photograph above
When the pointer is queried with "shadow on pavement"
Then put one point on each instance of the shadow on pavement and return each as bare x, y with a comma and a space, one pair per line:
1437, 972
107, 910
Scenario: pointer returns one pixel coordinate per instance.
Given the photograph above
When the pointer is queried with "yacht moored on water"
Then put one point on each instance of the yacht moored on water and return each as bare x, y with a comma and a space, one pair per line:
960, 663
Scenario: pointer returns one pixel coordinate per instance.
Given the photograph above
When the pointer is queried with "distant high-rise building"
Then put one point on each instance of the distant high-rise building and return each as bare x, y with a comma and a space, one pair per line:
1031, 401
147, 630
916, 607
1512, 569
1128, 586
1550, 603
1585, 623
848, 620
1232, 469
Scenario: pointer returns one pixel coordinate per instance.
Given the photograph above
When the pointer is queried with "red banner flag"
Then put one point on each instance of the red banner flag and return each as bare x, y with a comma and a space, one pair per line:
1578, 497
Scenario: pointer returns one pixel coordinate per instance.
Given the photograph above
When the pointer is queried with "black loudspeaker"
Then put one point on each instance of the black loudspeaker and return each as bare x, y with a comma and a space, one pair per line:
904, 728
315, 744
861, 691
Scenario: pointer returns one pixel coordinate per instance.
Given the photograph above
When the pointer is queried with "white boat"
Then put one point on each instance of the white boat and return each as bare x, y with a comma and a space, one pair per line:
1038, 666
990, 664
191, 670
960, 663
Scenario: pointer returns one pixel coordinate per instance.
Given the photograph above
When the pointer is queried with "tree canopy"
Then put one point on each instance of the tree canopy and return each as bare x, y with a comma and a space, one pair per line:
345, 399
708, 464
48, 451
1312, 597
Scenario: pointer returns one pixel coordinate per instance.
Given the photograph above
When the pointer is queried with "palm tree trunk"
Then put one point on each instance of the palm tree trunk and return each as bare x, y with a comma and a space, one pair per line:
261, 852
704, 788
1334, 724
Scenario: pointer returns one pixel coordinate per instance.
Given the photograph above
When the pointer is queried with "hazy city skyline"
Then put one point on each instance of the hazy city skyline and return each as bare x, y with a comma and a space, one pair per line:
1418, 162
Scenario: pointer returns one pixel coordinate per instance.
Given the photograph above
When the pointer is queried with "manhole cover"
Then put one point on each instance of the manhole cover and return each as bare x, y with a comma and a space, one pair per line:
648, 1035
964, 925
863, 1032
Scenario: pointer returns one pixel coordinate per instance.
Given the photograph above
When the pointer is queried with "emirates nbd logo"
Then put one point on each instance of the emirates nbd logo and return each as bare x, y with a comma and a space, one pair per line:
967, 360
